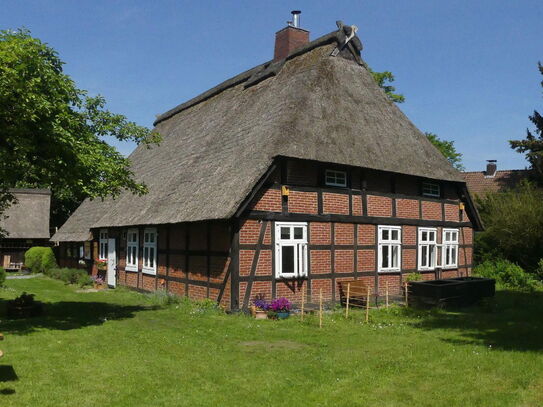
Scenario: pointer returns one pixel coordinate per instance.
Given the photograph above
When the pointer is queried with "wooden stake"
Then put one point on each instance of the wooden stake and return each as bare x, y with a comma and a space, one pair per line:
303, 292
348, 297
368, 305
386, 293
320, 309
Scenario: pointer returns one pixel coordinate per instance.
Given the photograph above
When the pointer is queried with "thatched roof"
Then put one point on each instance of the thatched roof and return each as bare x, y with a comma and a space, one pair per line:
217, 145
28, 218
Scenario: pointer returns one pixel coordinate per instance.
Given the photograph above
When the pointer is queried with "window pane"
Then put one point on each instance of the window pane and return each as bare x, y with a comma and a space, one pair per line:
298, 233
394, 234
385, 234
151, 257
151, 237
384, 256
424, 256
287, 259
285, 233
395, 256
424, 237
432, 256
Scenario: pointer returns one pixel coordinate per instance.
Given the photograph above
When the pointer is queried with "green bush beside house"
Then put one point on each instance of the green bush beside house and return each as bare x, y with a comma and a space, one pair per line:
40, 259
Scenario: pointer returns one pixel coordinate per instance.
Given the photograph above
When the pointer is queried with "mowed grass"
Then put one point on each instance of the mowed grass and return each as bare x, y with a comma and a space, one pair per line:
121, 348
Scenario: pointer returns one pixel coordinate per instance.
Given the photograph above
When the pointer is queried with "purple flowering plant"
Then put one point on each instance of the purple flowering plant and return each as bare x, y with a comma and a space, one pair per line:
280, 305
98, 280
260, 303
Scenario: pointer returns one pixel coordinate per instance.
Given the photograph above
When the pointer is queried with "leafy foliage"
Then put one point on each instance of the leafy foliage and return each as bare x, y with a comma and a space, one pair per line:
513, 226
532, 145
52, 132
448, 150
384, 80
2, 276
71, 276
40, 259
506, 274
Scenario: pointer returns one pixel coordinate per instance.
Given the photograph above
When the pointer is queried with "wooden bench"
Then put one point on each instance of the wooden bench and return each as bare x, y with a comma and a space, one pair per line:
358, 292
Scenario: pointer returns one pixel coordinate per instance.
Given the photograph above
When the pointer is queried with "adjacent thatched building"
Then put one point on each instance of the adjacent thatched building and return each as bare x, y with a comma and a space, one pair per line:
25, 224
298, 172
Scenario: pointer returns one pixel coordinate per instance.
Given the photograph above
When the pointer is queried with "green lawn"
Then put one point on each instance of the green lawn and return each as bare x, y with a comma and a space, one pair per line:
119, 348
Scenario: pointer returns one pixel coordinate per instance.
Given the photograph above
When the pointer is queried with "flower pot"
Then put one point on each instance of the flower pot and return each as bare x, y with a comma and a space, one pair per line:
283, 315
259, 314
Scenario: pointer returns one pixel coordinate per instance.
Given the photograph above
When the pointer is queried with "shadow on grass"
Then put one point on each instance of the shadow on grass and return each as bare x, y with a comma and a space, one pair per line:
66, 315
512, 321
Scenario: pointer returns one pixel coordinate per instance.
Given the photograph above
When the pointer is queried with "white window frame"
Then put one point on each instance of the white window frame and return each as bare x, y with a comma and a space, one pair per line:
431, 185
132, 250
300, 250
333, 174
102, 250
449, 245
149, 247
430, 245
389, 244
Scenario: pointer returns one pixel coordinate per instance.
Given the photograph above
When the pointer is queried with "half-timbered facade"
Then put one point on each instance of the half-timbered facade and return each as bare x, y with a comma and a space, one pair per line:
297, 173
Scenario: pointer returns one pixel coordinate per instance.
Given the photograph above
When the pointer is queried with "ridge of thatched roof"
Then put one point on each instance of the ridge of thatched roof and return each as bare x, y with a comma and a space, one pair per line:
28, 217
216, 146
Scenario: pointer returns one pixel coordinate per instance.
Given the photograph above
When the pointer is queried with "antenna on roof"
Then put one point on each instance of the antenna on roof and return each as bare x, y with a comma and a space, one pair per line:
295, 18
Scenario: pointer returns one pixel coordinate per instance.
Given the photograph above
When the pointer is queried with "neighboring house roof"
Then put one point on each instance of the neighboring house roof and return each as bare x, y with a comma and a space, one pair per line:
481, 184
28, 217
216, 146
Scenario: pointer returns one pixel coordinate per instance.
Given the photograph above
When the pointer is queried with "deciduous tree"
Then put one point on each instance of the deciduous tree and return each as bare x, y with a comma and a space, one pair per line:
52, 133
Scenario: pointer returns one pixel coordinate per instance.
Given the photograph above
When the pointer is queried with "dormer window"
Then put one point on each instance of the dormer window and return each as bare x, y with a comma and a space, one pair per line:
335, 178
431, 189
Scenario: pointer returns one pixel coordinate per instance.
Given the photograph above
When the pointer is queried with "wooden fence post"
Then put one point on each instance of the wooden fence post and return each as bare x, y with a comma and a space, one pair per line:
386, 293
368, 305
348, 297
303, 295
320, 309
406, 294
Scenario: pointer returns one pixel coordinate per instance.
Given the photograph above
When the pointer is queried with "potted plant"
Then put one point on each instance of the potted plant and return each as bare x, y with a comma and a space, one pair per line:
24, 306
260, 307
101, 265
281, 307
98, 282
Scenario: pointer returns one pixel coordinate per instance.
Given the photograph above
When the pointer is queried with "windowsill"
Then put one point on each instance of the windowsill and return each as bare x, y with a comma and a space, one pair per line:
131, 268
291, 277
426, 269
389, 271
149, 271
452, 267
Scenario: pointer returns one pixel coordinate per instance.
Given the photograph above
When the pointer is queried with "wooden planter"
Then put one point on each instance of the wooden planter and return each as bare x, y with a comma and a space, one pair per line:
260, 314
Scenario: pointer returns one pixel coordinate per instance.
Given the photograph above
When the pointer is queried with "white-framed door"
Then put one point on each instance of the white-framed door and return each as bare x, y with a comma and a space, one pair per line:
111, 263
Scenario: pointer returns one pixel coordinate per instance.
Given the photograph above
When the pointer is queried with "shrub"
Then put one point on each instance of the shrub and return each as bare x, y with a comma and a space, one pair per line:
71, 276
505, 273
539, 270
2, 276
40, 259
513, 226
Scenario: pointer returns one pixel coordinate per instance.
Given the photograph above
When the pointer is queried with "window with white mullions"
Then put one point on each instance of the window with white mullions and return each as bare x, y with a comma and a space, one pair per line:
335, 178
149, 251
102, 254
132, 250
290, 249
431, 189
390, 246
450, 248
427, 248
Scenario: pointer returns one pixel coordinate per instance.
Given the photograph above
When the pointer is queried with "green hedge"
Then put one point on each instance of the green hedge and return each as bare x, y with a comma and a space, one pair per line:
70, 276
506, 273
40, 259
2, 276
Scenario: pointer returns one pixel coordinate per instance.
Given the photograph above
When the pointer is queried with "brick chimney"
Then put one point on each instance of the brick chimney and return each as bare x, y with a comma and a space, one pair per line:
290, 38
491, 168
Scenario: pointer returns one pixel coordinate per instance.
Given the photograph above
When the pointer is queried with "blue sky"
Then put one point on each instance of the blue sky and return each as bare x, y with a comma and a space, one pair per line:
468, 68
